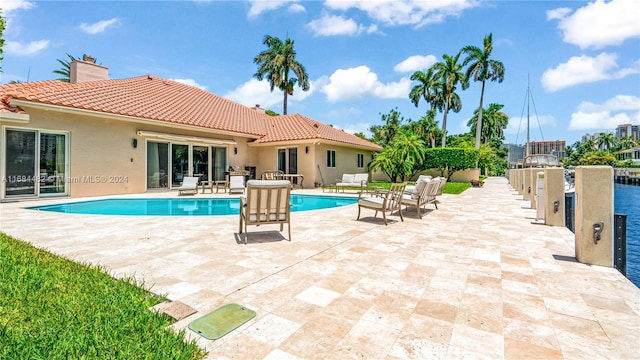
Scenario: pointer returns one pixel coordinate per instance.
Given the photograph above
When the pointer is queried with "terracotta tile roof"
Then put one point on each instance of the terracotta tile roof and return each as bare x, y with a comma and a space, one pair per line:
299, 127
146, 97
154, 98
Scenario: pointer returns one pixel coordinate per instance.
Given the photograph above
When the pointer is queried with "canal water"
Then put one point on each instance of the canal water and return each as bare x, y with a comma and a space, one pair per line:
627, 201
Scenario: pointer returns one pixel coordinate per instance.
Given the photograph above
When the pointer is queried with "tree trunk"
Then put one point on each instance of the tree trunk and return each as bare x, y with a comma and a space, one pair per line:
444, 123
479, 122
284, 105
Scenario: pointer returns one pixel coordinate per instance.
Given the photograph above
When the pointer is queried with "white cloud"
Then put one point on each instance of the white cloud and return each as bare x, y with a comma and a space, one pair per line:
558, 14
404, 12
98, 27
414, 63
16, 48
260, 6
296, 8
331, 25
356, 83
362, 127
190, 82
255, 92
599, 23
618, 110
584, 69
8, 6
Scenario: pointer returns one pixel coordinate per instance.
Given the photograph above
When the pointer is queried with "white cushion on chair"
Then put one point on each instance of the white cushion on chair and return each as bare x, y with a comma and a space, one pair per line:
348, 178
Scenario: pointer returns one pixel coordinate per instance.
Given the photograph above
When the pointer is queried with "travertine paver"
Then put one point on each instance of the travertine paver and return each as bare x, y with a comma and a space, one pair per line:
477, 278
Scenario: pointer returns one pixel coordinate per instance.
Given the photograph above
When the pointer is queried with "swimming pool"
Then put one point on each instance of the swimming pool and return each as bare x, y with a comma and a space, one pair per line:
185, 207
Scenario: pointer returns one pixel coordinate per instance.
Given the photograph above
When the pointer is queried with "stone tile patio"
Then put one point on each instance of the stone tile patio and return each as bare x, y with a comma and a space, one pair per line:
478, 278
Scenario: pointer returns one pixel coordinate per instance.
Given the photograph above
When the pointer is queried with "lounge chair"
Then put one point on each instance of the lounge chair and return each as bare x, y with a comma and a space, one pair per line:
443, 181
267, 202
359, 180
236, 184
425, 194
189, 184
412, 188
383, 201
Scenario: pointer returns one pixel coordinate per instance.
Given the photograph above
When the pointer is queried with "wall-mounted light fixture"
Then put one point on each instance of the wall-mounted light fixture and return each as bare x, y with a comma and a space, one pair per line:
134, 143
306, 149
235, 150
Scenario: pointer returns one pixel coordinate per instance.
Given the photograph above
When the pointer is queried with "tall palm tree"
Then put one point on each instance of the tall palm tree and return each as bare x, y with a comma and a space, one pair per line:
482, 68
276, 62
493, 123
427, 88
450, 74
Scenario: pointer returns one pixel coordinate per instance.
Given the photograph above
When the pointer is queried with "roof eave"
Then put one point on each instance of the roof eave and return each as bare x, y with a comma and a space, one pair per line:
14, 117
93, 113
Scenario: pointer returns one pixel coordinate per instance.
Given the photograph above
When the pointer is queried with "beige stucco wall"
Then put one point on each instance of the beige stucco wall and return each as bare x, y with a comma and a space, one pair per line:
311, 156
346, 162
102, 159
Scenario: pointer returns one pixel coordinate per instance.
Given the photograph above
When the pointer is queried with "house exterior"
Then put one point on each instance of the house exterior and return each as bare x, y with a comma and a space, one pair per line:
95, 136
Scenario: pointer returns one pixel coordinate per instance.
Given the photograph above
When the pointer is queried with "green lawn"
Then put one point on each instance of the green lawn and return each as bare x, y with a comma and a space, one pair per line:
449, 187
53, 308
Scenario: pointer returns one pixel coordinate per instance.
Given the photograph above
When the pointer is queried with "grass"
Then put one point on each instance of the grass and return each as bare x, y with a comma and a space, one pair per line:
454, 188
53, 308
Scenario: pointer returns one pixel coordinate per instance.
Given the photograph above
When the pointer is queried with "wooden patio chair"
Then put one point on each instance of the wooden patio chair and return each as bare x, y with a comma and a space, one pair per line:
383, 201
266, 202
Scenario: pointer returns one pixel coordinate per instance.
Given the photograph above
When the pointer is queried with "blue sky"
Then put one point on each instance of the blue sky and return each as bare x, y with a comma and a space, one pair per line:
582, 59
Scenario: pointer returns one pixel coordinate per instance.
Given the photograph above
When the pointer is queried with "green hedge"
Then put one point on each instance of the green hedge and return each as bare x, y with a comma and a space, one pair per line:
450, 160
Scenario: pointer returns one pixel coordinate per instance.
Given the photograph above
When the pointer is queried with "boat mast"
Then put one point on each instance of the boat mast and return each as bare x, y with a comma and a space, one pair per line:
526, 148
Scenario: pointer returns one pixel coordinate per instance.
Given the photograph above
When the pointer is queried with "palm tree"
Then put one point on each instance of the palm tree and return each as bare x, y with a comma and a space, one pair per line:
626, 143
606, 141
65, 70
450, 74
427, 88
275, 63
493, 123
401, 158
428, 127
482, 68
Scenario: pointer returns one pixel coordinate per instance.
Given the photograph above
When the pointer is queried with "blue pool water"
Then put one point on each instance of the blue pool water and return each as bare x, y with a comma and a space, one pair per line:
186, 207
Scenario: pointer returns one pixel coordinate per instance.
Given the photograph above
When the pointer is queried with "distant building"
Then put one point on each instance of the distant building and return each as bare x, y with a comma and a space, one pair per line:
515, 154
632, 154
552, 147
626, 130
593, 137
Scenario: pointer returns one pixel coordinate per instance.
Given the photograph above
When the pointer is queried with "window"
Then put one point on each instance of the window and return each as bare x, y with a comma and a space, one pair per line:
35, 163
360, 161
331, 158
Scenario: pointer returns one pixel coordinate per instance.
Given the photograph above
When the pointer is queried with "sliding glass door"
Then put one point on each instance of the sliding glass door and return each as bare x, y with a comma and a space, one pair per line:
200, 161
157, 165
20, 163
52, 163
35, 163
288, 161
168, 164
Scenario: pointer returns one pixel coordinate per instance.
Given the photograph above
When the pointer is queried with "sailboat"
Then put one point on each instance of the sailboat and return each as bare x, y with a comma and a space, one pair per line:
535, 160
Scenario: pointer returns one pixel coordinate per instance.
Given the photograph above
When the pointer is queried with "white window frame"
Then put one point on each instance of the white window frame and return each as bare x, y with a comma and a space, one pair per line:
331, 158
360, 161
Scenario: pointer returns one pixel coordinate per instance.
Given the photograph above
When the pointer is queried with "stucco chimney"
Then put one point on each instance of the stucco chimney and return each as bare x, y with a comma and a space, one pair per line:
83, 71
